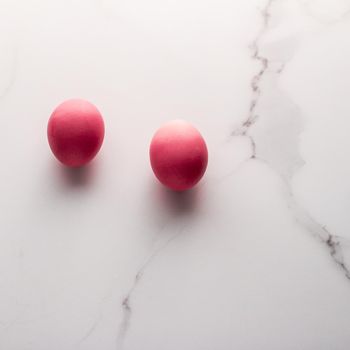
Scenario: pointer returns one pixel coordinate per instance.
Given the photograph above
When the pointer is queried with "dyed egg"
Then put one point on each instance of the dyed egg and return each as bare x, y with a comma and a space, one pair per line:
178, 155
75, 132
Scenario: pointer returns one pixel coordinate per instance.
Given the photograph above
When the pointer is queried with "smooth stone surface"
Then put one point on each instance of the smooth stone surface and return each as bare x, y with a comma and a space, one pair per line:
256, 256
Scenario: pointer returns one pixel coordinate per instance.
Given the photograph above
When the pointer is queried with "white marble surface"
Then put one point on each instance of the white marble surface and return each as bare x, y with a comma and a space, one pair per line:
257, 256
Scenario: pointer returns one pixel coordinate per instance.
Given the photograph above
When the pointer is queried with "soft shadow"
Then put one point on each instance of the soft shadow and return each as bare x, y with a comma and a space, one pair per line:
81, 177
177, 204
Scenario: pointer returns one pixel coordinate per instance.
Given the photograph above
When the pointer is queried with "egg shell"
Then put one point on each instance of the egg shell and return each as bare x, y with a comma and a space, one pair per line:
75, 132
178, 155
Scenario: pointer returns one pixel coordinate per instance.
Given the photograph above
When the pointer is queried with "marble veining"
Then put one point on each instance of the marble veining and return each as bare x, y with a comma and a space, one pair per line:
126, 303
257, 256
330, 240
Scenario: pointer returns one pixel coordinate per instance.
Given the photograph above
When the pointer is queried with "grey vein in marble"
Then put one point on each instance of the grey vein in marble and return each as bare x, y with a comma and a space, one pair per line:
256, 81
90, 331
126, 302
331, 241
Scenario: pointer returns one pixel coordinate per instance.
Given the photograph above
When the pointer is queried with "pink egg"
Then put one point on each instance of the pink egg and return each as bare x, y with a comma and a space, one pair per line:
75, 132
178, 155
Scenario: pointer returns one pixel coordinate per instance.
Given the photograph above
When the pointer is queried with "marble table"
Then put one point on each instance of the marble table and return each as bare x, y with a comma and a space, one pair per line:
257, 256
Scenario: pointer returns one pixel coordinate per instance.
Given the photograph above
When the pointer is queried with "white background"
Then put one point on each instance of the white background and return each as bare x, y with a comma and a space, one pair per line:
255, 257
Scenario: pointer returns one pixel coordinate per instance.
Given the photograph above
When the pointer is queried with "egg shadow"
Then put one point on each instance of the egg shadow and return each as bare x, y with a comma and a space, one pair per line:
75, 178
176, 204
